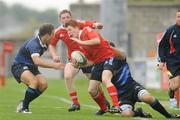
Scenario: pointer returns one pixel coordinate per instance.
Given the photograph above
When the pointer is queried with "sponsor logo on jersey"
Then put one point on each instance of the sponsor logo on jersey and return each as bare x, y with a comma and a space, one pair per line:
25, 67
174, 36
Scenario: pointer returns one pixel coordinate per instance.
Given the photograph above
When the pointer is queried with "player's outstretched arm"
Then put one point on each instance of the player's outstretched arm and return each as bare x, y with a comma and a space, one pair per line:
43, 63
94, 41
53, 52
119, 54
91, 24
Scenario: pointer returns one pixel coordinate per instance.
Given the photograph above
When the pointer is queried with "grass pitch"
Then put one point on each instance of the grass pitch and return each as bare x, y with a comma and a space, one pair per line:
54, 102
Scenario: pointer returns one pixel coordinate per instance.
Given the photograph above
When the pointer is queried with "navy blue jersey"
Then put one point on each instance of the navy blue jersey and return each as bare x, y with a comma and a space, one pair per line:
122, 77
169, 46
29, 48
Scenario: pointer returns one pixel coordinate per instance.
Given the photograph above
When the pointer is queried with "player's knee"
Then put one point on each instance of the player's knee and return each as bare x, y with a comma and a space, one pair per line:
175, 83
174, 86
148, 98
127, 113
145, 96
43, 86
92, 91
68, 78
106, 82
33, 82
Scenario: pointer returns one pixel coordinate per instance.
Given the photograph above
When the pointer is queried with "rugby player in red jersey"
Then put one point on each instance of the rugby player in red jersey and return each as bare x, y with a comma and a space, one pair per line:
70, 71
100, 52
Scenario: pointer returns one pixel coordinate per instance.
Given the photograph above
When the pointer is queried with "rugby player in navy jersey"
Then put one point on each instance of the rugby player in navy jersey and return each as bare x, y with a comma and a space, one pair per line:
130, 92
169, 54
25, 66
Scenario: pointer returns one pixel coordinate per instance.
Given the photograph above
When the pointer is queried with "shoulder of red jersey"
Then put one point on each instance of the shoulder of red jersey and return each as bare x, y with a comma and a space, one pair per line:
60, 28
84, 21
80, 21
87, 29
60, 32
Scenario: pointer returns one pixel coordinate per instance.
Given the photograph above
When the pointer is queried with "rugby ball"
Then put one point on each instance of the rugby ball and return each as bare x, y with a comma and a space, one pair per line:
79, 58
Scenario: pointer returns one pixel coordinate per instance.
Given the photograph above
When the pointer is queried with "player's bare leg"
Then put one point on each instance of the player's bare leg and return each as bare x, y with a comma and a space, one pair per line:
69, 73
156, 105
30, 80
106, 80
98, 96
175, 83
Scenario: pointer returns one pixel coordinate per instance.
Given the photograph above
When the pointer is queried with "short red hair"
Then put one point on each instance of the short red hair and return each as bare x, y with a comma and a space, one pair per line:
72, 23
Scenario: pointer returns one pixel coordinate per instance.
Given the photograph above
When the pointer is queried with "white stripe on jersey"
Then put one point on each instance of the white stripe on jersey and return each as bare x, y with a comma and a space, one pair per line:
35, 54
28, 43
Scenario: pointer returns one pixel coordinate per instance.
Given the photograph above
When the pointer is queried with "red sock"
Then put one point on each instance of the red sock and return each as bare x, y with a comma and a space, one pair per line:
100, 100
113, 94
74, 97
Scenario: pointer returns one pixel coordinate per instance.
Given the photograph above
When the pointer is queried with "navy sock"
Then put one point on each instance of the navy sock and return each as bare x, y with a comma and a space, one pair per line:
38, 92
30, 95
171, 93
158, 107
136, 113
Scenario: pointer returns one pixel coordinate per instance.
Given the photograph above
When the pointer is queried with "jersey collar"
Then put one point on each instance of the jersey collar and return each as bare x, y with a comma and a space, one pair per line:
62, 27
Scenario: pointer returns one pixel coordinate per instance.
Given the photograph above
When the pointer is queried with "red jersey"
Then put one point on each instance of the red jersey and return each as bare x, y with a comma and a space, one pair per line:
96, 53
62, 34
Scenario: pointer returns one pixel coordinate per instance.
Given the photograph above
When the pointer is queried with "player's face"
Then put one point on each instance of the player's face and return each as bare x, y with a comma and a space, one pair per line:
73, 32
178, 18
66, 17
48, 37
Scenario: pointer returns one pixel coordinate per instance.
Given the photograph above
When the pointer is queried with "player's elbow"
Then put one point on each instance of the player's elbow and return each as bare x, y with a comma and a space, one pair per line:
37, 61
97, 41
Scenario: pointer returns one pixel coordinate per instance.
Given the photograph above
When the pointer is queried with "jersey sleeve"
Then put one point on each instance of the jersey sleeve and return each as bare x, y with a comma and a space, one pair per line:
91, 33
34, 49
54, 39
83, 24
163, 45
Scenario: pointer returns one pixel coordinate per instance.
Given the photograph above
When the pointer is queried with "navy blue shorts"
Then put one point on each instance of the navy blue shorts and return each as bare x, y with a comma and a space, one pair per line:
174, 68
86, 69
17, 69
113, 64
128, 93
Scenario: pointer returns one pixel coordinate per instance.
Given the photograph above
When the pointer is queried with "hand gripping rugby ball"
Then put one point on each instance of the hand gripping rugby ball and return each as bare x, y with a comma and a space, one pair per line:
79, 58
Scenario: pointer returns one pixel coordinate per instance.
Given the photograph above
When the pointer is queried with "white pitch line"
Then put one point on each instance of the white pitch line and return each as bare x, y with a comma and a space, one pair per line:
69, 102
